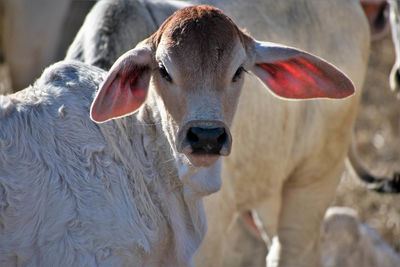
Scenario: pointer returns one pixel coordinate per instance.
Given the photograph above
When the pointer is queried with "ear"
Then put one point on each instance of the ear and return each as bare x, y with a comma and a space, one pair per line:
125, 88
295, 74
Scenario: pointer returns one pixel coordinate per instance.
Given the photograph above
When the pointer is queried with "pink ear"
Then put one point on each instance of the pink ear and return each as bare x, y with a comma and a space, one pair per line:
124, 89
298, 75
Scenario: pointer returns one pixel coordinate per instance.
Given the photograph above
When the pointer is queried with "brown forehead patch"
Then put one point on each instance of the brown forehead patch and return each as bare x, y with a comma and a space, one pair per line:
202, 31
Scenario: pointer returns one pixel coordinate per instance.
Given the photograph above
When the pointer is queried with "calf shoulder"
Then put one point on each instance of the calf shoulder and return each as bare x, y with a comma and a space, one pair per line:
65, 196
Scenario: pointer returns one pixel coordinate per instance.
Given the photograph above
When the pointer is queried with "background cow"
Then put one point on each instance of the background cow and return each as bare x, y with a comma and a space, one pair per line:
34, 34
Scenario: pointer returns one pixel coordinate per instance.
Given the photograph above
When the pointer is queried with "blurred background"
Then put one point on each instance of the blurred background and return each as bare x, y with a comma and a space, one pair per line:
377, 128
377, 132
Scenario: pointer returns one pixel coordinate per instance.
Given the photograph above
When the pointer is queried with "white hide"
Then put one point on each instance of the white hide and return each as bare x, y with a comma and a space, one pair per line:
74, 193
287, 156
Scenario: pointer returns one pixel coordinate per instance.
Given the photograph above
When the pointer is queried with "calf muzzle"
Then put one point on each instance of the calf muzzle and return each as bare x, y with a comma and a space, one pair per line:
204, 138
207, 140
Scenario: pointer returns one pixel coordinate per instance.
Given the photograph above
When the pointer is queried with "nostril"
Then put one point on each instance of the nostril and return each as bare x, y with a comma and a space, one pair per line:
192, 137
205, 140
222, 138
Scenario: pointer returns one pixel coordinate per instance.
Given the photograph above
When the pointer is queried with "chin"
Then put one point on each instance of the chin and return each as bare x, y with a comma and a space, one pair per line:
202, 160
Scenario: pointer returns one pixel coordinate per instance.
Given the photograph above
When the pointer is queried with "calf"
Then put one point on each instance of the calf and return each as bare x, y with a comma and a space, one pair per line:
129, 191
276, 140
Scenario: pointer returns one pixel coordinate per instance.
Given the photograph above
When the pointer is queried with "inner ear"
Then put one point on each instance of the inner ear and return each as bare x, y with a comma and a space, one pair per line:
295, 74
136, 82
125, 88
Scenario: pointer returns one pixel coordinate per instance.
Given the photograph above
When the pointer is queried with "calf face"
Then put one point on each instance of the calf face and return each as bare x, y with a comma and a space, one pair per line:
194, 66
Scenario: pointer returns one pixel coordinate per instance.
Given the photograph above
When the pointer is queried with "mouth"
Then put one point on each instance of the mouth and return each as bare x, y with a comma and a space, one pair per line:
202, 160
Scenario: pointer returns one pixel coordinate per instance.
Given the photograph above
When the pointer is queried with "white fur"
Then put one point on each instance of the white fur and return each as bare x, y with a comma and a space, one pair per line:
76, 193
287, 156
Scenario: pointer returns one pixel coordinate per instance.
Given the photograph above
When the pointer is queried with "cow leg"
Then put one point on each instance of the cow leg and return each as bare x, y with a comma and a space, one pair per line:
303, 208
245, 246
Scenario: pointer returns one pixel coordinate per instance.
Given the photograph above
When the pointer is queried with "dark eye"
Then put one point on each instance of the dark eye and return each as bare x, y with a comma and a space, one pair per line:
164, 73
238, 74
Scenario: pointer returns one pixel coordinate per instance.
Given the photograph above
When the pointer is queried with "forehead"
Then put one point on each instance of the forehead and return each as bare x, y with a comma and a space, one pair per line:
201, 35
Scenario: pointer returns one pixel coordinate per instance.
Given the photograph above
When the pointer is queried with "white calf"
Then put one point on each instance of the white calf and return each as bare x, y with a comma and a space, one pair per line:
128, 192
288, 155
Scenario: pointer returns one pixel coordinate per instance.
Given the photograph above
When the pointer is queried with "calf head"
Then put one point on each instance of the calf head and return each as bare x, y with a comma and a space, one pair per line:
193, 67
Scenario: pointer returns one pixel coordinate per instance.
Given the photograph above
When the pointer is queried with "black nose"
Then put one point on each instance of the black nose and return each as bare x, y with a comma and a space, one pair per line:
206, 141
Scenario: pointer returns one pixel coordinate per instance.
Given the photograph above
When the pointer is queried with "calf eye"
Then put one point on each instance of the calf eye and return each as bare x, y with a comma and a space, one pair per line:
238, 74
164, 73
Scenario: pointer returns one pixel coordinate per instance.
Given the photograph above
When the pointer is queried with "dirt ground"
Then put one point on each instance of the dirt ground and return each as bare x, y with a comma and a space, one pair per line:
377, 132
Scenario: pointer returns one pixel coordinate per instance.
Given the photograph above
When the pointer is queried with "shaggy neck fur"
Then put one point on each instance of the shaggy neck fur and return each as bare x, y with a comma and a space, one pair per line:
158, 179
